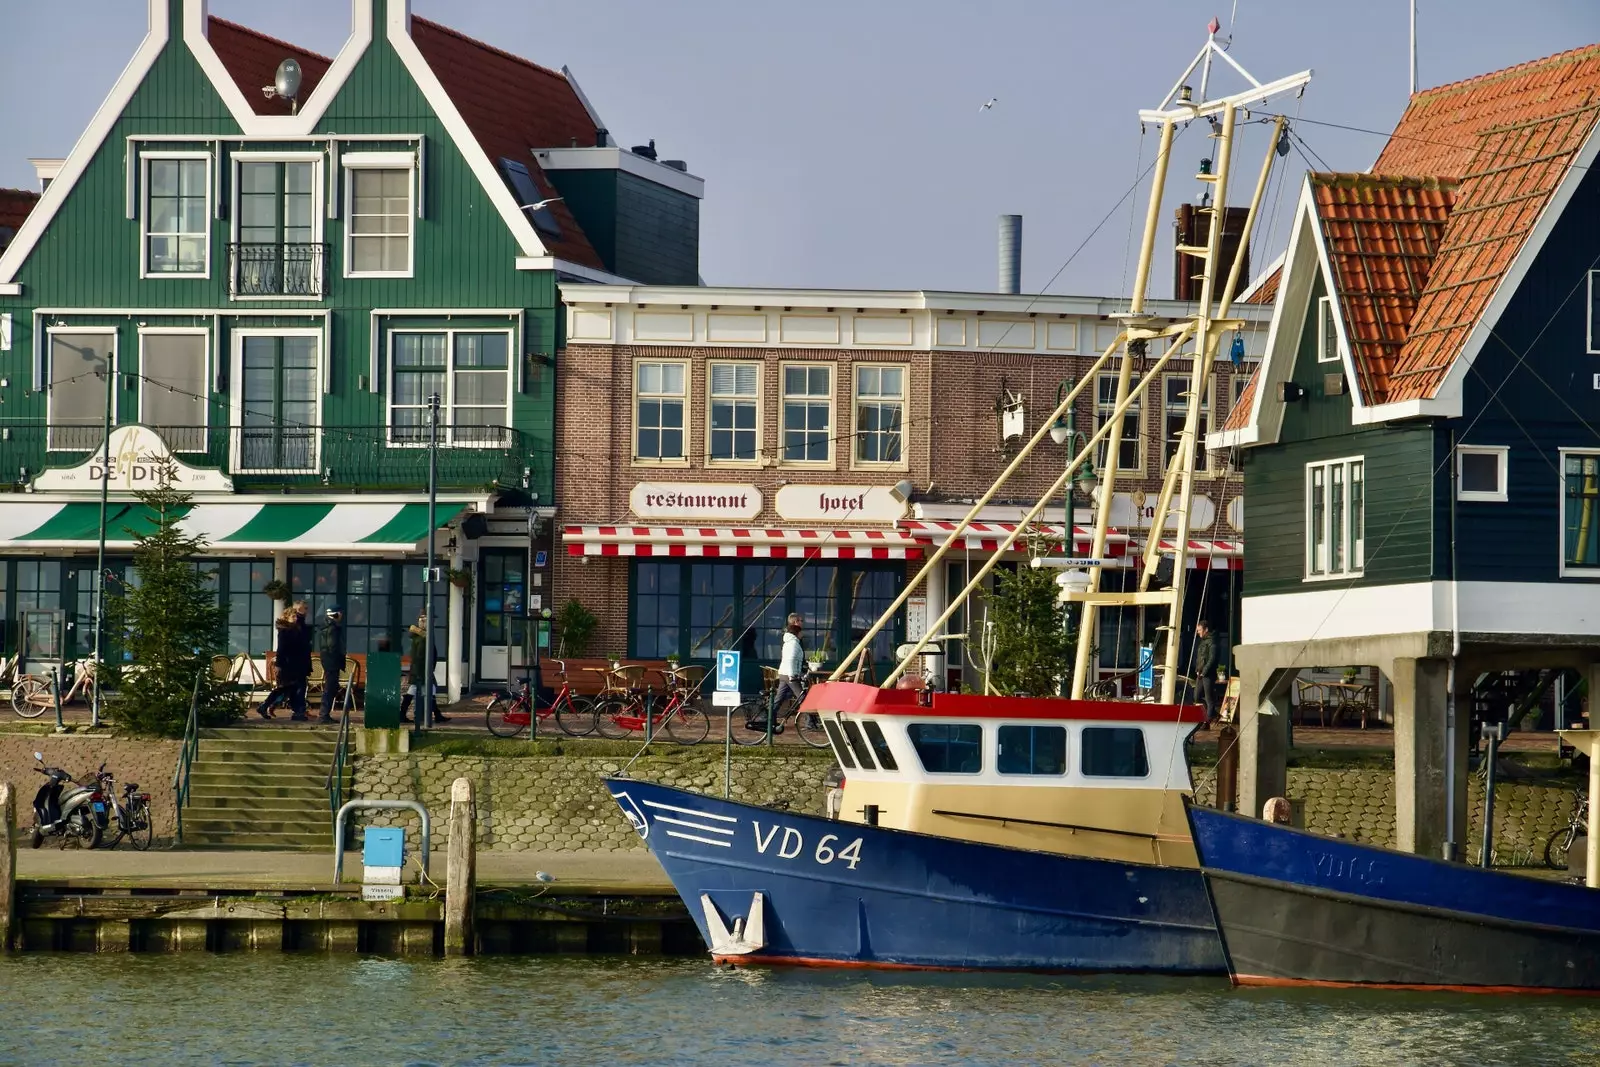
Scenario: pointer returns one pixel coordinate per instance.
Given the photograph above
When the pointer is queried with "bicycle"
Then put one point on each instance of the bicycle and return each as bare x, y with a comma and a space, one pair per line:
628, 711
31, 695
1555, 849
780, 712
507, 713
131, 811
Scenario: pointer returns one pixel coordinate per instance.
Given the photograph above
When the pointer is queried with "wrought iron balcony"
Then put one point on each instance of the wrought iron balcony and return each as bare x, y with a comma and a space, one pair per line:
267, 457
276, 270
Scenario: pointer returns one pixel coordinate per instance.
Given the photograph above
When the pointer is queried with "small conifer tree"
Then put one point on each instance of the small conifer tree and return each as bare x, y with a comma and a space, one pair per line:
1033, 646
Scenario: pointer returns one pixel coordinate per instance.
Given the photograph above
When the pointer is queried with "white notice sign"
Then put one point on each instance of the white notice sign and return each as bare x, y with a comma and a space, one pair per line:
694, 500
138, 454
838, 503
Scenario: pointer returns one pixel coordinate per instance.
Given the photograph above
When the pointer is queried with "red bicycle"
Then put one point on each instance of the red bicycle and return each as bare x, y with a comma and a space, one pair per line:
509, 712
620, 714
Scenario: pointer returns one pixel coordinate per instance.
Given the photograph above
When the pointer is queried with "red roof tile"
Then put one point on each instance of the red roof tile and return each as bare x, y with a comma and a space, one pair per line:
15, 205
513, 106
1239, 415
1381, 235
1265, 290
1509, 138
252, 59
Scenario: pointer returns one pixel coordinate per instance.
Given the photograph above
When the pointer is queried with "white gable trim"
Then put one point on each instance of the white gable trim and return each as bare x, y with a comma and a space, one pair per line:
499, 193
571, 269
1448, 399
83, 152
196, 24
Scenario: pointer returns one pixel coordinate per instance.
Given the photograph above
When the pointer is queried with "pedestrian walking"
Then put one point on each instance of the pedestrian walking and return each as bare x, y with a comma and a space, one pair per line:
791, 662
331, 650
292, 662
423, 657
1205, 671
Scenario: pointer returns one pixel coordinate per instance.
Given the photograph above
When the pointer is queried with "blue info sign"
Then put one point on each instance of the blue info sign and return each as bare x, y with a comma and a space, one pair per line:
1147, 666
727, 694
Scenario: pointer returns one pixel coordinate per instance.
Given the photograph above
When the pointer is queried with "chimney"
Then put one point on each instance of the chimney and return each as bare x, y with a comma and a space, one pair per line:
1011, 253
1193, 228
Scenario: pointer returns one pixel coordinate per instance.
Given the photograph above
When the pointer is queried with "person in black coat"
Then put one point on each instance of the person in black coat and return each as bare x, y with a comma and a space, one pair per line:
1205, 671
420, 673
293, 663
331, 650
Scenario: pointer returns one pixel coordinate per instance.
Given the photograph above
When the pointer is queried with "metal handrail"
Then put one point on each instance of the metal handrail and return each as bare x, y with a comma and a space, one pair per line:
187, 754
378, 805
341, 753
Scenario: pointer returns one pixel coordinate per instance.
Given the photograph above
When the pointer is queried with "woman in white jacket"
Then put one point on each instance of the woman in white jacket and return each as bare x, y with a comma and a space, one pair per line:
791, 662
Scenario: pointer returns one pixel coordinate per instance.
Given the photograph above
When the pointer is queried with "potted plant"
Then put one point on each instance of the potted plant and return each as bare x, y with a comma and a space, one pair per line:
461, 578
277, 589
616, 659
672, 661
1350, 674
577, 624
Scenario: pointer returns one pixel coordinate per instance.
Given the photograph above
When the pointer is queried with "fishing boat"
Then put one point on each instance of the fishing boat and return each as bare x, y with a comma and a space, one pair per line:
995, 831
1296, 908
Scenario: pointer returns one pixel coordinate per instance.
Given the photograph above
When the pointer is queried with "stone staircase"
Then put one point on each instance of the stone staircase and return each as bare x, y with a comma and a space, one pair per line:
259, 787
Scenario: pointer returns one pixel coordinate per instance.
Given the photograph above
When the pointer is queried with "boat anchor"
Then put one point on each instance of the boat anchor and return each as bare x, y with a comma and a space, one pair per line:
749, 934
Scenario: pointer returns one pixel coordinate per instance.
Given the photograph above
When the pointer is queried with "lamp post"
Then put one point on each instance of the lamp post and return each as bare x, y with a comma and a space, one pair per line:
1084, 478
100, 555
425, 690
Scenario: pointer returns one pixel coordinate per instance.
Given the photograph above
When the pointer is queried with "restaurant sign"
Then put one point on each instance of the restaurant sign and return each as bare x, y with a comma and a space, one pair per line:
694, 500
139, 460
839, 503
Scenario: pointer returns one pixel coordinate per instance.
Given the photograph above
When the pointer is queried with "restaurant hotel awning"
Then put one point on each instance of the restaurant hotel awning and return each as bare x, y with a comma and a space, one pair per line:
235, 525
734, 542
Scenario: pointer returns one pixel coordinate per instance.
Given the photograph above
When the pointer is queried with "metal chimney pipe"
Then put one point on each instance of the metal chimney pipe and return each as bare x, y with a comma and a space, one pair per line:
1011, 253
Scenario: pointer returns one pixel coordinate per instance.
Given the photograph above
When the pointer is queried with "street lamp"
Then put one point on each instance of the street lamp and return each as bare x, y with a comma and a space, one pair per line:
425, 690
1062, 433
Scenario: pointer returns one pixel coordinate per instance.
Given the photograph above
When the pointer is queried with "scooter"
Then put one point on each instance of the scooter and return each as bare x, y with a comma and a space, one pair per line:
65, 809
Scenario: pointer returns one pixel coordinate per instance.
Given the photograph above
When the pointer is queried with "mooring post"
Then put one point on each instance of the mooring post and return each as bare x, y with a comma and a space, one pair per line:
1227, 798
8, 866
461, 870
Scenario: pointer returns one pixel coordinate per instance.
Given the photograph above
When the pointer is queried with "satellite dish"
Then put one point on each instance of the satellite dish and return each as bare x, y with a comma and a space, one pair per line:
287, 80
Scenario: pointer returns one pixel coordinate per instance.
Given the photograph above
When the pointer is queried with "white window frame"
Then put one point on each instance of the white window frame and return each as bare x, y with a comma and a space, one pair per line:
1326, 319
831, 463
1102, 415
1354, 540
49, 393
1569, 570
236, 396
1502, 454
448, 400
1593, 346
857, 463
406, 161
1208, 413
318, 211
712, 398
688, 414
145, 159
145, 385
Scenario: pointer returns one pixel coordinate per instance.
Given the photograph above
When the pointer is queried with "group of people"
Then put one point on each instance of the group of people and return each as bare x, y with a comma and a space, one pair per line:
292, 656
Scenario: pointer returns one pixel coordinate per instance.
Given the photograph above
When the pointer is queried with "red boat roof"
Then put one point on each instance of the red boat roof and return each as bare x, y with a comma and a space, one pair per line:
853, 698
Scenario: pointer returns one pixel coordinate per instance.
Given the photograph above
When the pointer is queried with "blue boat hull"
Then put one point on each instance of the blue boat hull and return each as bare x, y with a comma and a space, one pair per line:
1300, 909
850, 895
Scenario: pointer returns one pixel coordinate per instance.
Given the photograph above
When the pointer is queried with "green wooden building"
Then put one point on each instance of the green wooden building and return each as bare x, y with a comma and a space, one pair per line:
1419, 447
259, 263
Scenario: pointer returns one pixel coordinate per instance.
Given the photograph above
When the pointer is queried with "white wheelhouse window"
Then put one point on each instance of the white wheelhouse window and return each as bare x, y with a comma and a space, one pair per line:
1481, 472
175, 216
1327, 332
173, 387
76, 397
469, 370
734, 427
807, 413
380, 214
660, 411
1335, 518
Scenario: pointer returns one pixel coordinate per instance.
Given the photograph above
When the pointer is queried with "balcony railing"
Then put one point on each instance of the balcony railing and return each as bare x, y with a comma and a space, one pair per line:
267, 456
276, 270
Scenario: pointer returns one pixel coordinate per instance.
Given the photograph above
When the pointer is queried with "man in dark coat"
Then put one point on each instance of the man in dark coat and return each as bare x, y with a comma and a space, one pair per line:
1205, 671
292, 663
331, 650
420, 673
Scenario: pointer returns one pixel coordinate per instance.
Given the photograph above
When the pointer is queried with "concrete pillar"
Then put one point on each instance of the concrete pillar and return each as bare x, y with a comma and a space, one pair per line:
938, 595
113, 935
8, 866
280, 572
461, 870
1263, 723
455, 631
1420, 752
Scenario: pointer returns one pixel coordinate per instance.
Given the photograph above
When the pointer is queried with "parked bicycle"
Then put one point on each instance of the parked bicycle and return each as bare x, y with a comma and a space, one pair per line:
635, 709
1560, 843
130, 812
508, 712
751, 717
32, 695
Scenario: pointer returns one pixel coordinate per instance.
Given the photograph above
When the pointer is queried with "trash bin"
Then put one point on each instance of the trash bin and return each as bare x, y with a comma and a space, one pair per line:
382, 709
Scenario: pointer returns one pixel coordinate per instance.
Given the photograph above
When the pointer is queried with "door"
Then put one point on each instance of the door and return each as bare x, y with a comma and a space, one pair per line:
44, 635
502, 612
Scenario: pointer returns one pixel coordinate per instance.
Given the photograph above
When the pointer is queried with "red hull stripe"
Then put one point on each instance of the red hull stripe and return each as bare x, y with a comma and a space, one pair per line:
855, 965
853, 698
1501, 990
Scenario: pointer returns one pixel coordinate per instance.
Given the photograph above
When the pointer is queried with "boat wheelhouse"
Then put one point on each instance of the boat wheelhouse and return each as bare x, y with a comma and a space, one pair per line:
1093, 778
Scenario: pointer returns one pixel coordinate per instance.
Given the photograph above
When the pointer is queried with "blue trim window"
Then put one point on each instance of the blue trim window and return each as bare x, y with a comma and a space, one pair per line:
1114, 752
1032, 750
948, 747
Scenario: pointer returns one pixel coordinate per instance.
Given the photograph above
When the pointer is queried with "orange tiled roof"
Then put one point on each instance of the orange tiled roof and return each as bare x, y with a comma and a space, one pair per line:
1265, 291
1381, 235
1239, 415
1508, 138
252, 60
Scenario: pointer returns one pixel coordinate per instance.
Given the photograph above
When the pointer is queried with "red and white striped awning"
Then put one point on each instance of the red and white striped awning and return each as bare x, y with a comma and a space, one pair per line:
987, 536
1204, 555
735, 542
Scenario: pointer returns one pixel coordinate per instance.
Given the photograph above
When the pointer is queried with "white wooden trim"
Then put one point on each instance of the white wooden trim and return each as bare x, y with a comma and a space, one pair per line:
379, 160
317, 160
760, 403
448, 399
904, 462
1352, 569
49, 394
688, 412
205, 367
575, 270
406, 162
143, 196
236, 392
1502, 454
832, 462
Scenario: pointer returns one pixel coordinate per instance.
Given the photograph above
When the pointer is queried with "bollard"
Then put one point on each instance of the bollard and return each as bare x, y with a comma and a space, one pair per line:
55, 689
8, 866
1227, 768
461, 873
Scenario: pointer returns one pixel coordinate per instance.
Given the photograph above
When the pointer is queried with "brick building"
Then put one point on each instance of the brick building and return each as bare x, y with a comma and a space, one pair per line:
726, 456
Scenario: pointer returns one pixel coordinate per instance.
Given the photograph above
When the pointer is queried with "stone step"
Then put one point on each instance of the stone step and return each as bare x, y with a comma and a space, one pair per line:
239, 807
251, 733
288, 824
308, 760
320, 842
267, 744
221, 778
233, 790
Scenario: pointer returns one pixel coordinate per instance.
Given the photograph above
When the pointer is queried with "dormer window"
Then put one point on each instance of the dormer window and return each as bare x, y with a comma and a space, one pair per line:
177, 216
380, 212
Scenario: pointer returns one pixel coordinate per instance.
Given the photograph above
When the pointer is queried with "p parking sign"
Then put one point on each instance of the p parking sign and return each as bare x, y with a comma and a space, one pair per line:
727, 693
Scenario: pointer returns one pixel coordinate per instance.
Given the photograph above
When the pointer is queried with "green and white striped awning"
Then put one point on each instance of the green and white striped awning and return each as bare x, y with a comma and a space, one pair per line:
231, 526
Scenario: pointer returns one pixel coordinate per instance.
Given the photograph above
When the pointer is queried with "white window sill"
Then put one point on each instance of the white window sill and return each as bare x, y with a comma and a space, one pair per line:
1339, 576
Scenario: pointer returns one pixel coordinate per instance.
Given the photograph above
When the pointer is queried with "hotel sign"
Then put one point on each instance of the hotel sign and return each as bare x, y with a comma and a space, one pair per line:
838, 503
139, 455
694, 500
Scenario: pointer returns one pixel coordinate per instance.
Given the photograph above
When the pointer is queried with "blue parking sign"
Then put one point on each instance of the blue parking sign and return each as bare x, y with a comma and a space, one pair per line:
1147, 666
727, 672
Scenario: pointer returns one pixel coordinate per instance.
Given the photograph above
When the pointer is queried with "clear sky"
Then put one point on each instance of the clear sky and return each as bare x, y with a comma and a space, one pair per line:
842, 141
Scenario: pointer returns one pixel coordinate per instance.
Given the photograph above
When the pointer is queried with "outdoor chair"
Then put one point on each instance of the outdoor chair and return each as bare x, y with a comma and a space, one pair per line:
1310, 696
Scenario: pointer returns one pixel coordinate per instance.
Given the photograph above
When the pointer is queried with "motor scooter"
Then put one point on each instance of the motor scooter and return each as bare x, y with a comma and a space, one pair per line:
65, 809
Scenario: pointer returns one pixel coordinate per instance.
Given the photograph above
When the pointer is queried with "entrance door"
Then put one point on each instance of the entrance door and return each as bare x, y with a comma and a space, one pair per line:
502, 612
44, 636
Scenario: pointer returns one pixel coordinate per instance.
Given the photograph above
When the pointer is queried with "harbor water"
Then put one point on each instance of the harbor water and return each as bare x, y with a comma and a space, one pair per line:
304, 1009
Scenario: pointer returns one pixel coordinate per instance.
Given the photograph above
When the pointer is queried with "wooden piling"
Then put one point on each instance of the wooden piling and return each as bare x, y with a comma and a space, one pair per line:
1227, 768
8, 866
461, 870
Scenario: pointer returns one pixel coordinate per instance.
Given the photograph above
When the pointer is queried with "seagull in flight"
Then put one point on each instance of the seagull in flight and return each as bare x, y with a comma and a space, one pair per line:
542, 204
993, 100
